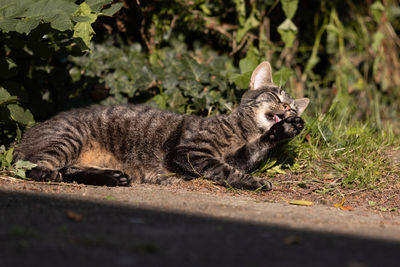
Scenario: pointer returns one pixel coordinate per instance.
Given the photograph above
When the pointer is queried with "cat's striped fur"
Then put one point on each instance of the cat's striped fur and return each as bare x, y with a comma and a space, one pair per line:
113, 145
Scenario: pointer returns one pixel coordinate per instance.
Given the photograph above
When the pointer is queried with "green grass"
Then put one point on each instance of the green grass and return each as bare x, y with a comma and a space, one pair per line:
338, 152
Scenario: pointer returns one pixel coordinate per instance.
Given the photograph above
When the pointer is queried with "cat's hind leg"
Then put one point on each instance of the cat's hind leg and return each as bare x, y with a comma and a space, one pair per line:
95, 176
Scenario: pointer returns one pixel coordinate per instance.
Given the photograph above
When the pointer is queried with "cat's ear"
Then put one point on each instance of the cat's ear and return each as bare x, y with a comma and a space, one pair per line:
261, 77
301, 105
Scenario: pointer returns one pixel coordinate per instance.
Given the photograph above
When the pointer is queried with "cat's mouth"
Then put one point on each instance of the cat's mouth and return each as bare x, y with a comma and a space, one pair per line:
275, 117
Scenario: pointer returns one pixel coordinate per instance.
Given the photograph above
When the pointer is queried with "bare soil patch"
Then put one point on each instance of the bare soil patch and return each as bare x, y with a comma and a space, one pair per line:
287, 187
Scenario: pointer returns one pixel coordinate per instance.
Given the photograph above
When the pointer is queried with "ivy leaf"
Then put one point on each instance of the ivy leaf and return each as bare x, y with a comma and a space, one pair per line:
190, 87
249, 63
247, 66
84, 30
26, 165
56, 12
20, 115
5, 97
97, 5
114, 8
26, 25
194, 71
7, 24
287, 31
281, 76
176, 100
289, 7
241, 80
61, 22
160, 100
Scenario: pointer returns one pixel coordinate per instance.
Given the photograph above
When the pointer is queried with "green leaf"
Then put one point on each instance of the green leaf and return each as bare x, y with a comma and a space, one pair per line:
287, 31
9, 155
241, 80
11, 63
194, 71
249, 63
20, 115
160, 100
26, 165
97, 5
277, 169
48, 8
176, 100
84, 30
282, 76
20, 173
55, 12
241, 10
191, 87
61, 22
75, 74
81, 19
377, 9
7, 24
377, 40
371, 203
114, 8
289, 7
250, 23
269, 163
26, 25
5, 97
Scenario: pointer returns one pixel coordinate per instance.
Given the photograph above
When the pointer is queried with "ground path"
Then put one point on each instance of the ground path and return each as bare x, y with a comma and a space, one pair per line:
150, 225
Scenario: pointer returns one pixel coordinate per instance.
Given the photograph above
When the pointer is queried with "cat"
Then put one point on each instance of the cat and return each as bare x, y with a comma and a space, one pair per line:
117, 145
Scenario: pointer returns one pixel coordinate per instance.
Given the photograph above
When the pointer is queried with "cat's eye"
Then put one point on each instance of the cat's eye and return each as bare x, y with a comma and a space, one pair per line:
286, 106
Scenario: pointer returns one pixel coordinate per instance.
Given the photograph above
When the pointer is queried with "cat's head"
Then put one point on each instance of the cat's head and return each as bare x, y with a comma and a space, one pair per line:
269, 102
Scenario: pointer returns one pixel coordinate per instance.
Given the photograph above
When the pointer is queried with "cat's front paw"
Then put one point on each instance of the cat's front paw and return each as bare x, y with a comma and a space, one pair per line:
287, 128
40, 173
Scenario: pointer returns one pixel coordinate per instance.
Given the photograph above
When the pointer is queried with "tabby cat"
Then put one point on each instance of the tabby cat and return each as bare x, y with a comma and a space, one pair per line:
115, 145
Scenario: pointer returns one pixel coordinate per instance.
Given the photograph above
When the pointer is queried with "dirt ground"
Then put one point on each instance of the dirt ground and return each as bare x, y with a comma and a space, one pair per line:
196, 223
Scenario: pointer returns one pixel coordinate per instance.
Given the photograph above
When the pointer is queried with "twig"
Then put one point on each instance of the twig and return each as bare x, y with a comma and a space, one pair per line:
356, 191
36, 182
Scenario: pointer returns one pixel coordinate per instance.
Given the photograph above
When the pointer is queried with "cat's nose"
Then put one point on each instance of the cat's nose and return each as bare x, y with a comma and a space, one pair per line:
290, 113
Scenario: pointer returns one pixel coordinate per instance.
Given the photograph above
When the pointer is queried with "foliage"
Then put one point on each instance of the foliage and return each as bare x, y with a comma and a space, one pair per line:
36, 36
15, 169
171, 79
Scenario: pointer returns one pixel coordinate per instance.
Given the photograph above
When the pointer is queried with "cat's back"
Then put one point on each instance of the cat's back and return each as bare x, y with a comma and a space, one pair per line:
118, 129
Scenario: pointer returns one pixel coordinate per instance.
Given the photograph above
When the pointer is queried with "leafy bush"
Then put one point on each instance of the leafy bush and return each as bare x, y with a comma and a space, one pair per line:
36, 36
174, 78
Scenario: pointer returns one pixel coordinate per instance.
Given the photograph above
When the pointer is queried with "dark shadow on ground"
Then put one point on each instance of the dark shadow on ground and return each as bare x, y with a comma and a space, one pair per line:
35, 231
